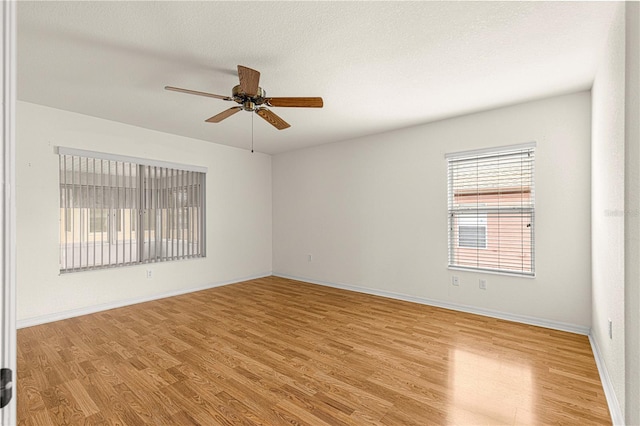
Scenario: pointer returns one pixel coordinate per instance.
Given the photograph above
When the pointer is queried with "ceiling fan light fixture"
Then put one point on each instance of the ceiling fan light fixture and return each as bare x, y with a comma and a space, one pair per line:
248, 105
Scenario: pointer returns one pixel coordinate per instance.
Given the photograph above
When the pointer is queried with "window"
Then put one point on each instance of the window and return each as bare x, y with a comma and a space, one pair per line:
491, 209
117, 211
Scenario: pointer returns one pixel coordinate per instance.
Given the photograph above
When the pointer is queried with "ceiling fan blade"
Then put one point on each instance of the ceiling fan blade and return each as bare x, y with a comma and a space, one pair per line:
224, 114
272, 118
249, 80
295, 102
195, 92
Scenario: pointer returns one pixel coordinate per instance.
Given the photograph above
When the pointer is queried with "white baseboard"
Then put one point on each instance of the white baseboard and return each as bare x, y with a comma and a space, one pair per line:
617, 417
57, 316
540, 322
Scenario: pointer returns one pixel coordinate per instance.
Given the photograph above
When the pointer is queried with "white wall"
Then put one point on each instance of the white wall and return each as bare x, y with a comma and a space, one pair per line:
608, 207
372, 212
238, 215
632, 222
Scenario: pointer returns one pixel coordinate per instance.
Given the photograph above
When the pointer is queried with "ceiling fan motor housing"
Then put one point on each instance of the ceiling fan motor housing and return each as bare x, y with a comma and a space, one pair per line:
249, 103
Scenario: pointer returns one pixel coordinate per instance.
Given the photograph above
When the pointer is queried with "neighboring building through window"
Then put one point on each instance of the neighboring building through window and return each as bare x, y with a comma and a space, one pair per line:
118, 211
472, 231
491, 209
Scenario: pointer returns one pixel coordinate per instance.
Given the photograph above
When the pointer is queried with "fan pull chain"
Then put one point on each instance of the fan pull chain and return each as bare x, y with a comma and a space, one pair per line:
252, 133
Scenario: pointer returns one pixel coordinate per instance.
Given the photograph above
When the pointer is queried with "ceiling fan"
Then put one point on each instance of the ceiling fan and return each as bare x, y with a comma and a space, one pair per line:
251, 97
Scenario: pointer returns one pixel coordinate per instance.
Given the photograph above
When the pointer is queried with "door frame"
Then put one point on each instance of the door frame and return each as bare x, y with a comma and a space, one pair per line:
8, 211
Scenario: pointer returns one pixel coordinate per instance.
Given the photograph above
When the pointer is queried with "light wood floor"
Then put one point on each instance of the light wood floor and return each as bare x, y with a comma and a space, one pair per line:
273, 351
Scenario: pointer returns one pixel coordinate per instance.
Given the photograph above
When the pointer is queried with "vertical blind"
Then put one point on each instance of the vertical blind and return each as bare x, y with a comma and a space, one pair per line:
491, 209
117, 211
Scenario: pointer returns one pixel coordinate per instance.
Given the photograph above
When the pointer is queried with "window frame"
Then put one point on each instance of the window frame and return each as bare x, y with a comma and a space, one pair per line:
510, 213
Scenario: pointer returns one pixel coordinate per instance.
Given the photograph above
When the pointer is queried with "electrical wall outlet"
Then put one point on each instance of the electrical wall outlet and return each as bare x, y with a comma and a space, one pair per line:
309, 258
483, 284
149, 274
455, 281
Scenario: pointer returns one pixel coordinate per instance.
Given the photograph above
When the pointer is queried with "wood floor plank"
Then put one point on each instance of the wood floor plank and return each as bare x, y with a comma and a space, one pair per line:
275, 351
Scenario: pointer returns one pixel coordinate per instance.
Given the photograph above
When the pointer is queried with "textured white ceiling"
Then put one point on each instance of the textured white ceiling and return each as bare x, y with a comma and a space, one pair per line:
378, 65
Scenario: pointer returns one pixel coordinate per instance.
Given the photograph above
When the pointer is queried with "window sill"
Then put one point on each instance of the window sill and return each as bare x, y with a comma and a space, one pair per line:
490, 272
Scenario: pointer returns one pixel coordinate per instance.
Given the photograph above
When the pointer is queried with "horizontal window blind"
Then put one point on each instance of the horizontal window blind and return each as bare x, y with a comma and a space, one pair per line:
116, 212
491, 210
